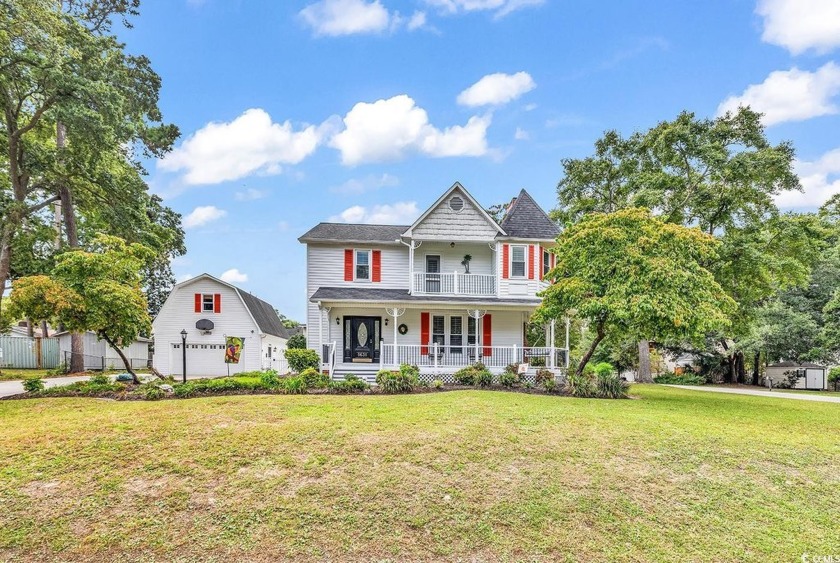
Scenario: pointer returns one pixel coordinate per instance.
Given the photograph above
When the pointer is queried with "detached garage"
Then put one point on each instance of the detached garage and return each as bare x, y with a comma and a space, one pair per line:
809, 376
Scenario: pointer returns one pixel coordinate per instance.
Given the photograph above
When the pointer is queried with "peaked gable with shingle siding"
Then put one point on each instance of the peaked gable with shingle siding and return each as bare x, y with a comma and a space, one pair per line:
455, 215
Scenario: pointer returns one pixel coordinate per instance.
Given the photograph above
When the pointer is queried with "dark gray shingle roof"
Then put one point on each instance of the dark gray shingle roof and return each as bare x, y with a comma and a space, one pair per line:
527, 220
401, 295
345, 232
264, 314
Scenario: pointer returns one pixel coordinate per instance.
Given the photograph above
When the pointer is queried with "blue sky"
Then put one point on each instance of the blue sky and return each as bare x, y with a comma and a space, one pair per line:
298, 112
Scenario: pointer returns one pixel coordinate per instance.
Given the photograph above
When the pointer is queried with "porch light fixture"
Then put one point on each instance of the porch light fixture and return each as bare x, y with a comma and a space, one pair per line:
386, 321
451, 245
338, 320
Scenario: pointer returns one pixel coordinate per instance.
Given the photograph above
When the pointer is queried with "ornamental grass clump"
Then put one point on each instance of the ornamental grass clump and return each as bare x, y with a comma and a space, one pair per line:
608, 385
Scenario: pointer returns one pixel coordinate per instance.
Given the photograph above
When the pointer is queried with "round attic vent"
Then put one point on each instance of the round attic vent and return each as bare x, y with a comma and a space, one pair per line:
456, 204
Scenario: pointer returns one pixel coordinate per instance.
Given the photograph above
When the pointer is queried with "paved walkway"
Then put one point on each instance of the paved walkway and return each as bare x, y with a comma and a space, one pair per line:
772, 394
9, 388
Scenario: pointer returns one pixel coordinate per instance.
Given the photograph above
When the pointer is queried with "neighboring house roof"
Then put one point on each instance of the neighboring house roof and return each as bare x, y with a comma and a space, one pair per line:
789, 364
261, 312
441, 199
344, 232
527, 220
401, 295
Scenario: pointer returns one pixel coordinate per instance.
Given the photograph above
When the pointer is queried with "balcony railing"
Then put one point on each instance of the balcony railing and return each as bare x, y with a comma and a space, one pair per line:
455, 284
439, 356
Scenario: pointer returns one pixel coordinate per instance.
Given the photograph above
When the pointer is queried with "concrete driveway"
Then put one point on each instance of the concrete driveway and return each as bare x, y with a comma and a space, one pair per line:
758, 393
9, 388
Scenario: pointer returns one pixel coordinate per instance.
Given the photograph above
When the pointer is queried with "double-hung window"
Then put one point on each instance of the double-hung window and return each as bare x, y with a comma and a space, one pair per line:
456, 334
207, 303
517, 261
363, 265
439, 330
546, 262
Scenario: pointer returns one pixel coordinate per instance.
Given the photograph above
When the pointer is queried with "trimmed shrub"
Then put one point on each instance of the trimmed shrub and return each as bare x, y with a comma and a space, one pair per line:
465, 376
508, 379
396, 381
512, 368
580, 385
683, 379
411, 372
476, 374
294, 385
544, 375
437, 384
351, 384
315, 379
184, 390
834, 376
296, 342
33, 385
270, 379
301, 358
602, 368
550, 385
483, 378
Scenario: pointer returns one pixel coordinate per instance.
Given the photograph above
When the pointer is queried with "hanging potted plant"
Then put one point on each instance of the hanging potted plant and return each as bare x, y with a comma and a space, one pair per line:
466, 263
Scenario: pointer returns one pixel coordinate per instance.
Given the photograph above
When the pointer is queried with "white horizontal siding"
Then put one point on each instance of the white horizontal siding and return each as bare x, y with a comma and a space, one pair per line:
519, 287
178, 313
482, 257
96, 350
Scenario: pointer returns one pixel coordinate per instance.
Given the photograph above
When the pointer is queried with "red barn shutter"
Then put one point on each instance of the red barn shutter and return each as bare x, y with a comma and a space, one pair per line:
348, 264
487, 334
217, 303
424, 333
377, 266
505, 262
531, 262
197, 302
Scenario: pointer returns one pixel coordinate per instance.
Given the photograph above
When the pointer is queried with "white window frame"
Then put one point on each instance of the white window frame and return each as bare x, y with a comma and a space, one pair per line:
524, 248
462, 345
546, 256
369, 253
433, 334
204, 308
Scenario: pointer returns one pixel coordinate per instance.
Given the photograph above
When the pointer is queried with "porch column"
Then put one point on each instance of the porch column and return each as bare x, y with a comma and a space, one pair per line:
567, 342
552, 331
396, 313
411, 268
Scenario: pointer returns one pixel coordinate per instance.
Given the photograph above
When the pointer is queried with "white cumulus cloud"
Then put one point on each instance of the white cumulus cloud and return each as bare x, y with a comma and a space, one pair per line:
356, 186
233, 276
348, 17
389, 129
500, 8
250, 194
202, 215
497, 89
800, 25
251, 143
790, 95
820, 180
400, 213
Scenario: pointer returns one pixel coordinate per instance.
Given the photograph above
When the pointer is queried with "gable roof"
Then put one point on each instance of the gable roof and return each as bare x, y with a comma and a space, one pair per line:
262, 312
441, 199
347, 232
789, 364
527, 220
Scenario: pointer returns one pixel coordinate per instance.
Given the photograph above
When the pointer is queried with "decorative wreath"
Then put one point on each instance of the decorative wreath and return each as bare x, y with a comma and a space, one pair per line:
402, 328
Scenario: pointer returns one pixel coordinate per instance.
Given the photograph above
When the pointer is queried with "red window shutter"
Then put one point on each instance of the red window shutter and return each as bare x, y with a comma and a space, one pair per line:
424, 333
505, 261
377, 266
487, 334
217, 303
531, 261
197, 302
348, 264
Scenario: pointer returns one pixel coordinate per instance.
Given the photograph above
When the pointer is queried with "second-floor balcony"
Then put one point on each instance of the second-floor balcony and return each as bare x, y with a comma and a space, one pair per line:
454, 283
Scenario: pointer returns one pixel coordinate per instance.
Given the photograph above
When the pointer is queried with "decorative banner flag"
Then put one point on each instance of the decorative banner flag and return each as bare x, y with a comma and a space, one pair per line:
233, 348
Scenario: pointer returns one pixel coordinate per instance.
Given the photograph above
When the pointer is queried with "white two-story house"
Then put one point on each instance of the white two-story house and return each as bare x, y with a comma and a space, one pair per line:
452, 288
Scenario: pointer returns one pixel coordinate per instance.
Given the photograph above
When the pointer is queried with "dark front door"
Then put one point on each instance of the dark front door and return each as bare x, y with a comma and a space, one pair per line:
361, 339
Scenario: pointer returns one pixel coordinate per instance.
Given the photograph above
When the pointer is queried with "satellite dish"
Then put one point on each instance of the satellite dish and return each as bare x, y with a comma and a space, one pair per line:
205, 325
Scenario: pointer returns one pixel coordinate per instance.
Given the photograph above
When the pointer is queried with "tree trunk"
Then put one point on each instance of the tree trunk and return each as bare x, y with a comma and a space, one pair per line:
599, 336
740, 371
643, 374
68, 211
755, 368
30, 328
5, 257
122, 357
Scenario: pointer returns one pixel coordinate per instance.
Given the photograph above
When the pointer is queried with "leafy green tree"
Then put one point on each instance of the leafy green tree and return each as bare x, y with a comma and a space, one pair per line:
296, 341
831, 325
97, 289
629, 273
719, 175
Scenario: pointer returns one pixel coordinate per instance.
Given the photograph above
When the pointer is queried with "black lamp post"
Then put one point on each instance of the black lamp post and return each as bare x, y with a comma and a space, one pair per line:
184, 353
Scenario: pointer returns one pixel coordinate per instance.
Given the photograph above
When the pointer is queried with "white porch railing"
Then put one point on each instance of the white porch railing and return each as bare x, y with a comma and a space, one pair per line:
439, 356
328, 357
455, 284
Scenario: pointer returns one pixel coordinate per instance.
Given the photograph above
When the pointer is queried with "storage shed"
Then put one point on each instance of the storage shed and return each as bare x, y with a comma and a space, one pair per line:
810, 376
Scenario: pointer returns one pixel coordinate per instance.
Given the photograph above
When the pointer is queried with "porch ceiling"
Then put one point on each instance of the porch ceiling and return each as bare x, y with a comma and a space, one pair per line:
375, 296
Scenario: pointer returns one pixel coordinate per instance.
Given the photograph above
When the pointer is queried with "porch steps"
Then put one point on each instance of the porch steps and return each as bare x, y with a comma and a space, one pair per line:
366, 372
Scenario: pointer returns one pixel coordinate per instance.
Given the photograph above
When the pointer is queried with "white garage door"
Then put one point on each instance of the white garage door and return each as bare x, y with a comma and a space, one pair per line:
202, 359
814, 379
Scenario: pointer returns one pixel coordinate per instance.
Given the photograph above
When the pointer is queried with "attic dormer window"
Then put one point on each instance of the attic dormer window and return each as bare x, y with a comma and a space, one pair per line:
456, 204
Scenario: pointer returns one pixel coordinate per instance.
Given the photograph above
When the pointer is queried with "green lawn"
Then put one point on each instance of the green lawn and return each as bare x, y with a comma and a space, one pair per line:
472, 475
